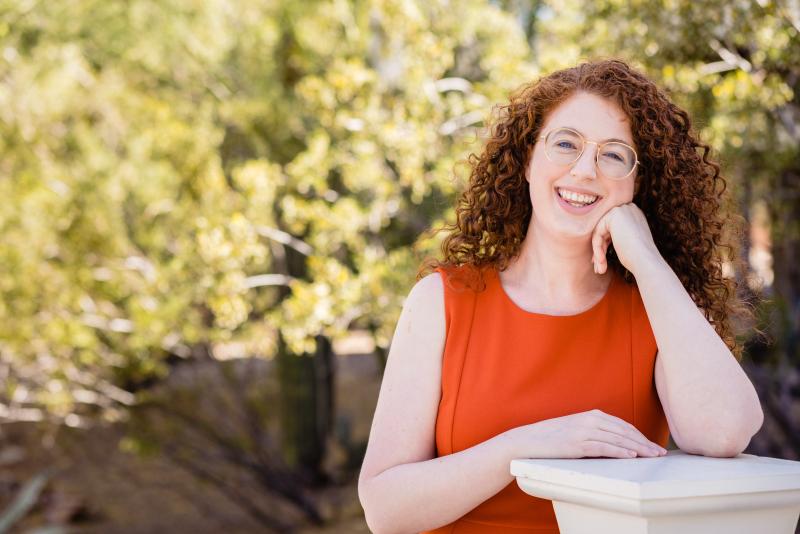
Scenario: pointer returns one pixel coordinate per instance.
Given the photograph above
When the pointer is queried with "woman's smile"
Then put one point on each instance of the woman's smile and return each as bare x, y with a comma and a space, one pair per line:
575, 202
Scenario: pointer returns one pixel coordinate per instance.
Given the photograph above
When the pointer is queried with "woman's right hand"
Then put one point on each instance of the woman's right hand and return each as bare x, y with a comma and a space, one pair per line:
593, 433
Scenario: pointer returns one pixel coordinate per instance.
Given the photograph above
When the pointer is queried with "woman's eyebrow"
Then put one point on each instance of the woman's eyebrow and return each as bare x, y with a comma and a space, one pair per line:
611, 139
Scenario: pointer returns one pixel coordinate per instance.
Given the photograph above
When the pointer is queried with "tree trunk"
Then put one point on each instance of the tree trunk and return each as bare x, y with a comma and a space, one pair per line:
306, 407
786, 253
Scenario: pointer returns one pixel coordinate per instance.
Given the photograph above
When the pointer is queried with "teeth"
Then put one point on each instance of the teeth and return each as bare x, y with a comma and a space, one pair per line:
576, 197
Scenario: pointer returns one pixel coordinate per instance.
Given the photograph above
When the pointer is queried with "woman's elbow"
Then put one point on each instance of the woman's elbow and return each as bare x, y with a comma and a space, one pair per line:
363, 494
371, 515
724, 444
726, 447
737, 440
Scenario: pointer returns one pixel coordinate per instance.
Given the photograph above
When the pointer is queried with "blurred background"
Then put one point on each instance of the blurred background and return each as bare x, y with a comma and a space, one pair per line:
212, 212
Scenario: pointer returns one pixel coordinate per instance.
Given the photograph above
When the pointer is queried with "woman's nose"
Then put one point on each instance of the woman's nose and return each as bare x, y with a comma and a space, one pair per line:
585, 166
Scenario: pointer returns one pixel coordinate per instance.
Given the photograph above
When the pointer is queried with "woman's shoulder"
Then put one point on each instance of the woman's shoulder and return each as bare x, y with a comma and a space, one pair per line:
465, 277
423, 317
427, 297
628, 291
430, 286
447, 294
626, 283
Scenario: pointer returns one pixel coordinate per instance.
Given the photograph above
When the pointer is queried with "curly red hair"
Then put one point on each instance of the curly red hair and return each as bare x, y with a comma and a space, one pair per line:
679, 189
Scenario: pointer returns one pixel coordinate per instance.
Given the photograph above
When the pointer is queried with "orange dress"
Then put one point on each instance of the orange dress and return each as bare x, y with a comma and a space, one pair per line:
505, 367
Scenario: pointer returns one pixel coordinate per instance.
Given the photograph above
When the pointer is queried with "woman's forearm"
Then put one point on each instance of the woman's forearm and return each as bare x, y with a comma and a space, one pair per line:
712, 402
419, 496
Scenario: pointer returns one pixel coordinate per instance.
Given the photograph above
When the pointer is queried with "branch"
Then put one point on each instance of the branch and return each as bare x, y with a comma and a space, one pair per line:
284, 237
18, 414
733, 59
261, 280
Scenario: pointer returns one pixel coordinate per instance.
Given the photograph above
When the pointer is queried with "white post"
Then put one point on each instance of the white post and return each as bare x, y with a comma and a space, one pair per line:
677, 493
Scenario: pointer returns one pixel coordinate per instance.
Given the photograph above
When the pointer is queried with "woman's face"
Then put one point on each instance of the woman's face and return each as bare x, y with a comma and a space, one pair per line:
597, 119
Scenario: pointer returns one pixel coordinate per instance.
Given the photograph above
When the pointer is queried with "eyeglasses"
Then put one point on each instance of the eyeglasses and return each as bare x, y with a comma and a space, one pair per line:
613, 159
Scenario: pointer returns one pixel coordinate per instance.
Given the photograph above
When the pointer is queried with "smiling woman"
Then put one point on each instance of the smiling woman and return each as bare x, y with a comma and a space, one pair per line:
568, 176
516, 348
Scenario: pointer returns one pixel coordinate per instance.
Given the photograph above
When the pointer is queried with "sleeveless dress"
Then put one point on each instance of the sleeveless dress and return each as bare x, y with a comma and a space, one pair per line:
505, 367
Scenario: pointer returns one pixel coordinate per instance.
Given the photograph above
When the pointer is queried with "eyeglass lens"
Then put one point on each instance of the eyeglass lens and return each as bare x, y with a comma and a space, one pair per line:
614, 160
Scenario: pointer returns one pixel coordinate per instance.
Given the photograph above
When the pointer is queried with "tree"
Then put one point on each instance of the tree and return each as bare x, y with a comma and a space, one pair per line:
187, 175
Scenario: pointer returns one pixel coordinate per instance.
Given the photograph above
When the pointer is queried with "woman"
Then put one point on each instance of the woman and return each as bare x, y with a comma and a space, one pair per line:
580, 310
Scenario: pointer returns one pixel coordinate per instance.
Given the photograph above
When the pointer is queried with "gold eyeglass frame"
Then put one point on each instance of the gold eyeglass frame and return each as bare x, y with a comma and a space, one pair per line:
596, 154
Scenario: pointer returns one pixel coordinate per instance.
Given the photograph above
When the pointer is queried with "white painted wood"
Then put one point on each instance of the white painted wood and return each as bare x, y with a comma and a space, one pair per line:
677, 493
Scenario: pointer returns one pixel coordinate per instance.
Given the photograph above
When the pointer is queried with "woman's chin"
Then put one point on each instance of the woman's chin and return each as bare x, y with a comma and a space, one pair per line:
575, 233
571, 230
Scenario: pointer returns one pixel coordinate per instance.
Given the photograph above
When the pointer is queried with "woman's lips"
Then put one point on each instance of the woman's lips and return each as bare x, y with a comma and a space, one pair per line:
574, 209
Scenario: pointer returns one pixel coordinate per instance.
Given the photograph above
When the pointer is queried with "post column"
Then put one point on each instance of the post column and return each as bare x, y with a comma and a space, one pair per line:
677, 493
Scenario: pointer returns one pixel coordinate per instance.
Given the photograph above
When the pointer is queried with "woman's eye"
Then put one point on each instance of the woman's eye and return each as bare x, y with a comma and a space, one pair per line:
615, 156
565, 144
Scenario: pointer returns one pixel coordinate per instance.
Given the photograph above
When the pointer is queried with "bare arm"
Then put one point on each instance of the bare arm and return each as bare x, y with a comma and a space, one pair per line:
710, 403
426, 495
403, 487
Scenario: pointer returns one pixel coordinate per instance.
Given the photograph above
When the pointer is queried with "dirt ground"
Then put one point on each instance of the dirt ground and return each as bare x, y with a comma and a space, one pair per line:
97, 486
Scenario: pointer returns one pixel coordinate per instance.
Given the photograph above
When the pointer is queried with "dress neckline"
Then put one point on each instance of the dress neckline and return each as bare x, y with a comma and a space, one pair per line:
597, 305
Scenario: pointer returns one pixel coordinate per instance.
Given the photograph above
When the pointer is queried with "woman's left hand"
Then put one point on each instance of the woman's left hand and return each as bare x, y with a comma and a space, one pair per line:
626, 227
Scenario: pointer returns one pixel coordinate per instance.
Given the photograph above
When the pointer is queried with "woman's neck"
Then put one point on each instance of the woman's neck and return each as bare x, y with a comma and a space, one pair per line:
555, 272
